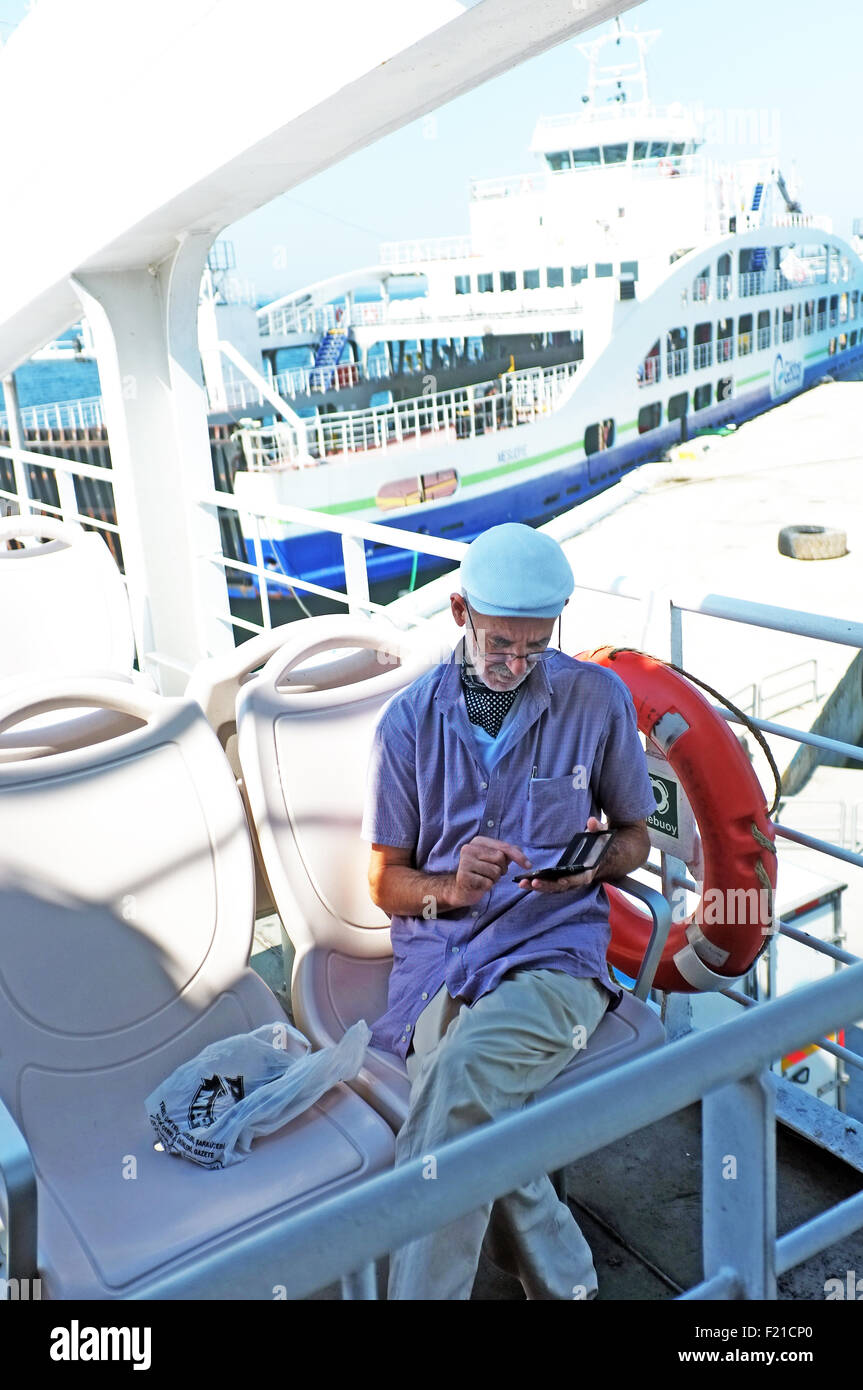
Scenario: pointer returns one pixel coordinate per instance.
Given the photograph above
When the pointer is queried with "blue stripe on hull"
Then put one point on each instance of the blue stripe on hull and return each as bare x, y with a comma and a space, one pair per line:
317, 557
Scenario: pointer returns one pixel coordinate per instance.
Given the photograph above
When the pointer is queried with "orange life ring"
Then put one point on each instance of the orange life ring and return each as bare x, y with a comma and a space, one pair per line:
711, 945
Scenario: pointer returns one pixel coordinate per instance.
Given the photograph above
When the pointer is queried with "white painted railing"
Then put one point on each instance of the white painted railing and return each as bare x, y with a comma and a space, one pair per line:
85, 413
441, 248
464, 412
303, 319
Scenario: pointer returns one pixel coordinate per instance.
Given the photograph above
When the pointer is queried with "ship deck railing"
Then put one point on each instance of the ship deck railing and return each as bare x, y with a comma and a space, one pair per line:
727, 1067
464, 412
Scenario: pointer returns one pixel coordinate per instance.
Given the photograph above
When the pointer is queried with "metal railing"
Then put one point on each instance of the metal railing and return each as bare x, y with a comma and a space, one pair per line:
751, 282
649, 371
723, 287
516, 398
441, 248
744, 344
84, 413
702, 355
305, 319
701, 287
677, 362
723, 1068
764, 337
724, 349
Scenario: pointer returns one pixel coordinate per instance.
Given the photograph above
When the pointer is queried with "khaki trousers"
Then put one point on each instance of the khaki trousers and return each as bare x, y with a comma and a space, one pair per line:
468, 1065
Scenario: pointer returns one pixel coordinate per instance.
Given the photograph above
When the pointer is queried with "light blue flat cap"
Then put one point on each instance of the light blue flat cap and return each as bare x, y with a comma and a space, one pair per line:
512, 571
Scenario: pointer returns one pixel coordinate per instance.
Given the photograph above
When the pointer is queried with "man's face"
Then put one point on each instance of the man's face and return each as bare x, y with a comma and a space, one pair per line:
500, 649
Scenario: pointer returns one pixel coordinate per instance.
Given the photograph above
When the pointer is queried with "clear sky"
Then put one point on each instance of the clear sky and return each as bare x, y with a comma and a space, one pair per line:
791, 65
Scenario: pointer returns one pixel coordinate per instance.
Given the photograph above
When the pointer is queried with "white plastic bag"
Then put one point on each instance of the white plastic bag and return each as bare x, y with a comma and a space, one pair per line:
210, 1109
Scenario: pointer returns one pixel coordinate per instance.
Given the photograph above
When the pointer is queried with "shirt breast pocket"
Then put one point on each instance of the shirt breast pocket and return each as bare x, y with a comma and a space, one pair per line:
556, 810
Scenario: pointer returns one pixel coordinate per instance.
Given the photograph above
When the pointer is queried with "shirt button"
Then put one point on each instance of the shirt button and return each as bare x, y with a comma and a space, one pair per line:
489, 822
474, 914
455, 950
484, 786
424, 995
407, 1028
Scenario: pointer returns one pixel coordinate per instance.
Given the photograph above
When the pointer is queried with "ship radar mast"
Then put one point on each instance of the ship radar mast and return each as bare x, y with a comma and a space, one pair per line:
618, 76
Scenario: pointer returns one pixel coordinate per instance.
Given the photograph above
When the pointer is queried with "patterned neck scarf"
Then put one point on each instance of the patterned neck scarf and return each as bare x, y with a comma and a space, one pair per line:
485, 707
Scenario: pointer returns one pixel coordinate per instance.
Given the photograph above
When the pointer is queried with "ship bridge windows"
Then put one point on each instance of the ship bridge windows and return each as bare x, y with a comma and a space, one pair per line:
640, 148
702, 351
744, 335
561, 159
650, 417
676, 149
530, 279
462, 284
485, 283
725, 340
676, 352
649, 369
787, 322
629, 268
615, 154
554, 277
507, 280
658, 149
583, 159
599, 437
702, 396
603, 269
763, 339
577, 273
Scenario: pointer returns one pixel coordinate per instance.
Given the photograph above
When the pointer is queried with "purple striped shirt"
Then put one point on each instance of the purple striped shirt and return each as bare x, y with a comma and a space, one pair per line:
573, 752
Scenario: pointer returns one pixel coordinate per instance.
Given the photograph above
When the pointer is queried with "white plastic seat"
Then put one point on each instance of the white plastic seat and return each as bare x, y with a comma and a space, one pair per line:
304, 757
216, 683
63, 603
64, 611
126, 920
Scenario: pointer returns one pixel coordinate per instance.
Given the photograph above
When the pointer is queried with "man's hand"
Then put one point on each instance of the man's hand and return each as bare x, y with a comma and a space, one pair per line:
400, 889
482, 862
630, 848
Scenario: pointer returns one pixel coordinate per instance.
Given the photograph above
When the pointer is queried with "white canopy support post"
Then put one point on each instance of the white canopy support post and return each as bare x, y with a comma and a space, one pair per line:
19, 468
144, 324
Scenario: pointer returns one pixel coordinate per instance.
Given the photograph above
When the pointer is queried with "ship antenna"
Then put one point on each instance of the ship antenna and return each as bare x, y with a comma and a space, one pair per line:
616, 75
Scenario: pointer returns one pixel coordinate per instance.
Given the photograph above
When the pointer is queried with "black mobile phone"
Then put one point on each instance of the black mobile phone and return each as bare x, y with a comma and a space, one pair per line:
584, 851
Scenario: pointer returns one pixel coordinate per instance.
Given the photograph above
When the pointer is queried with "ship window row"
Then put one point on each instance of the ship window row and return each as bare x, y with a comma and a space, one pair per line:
677, 406
765, 269
620, 152
753, 333
554, 277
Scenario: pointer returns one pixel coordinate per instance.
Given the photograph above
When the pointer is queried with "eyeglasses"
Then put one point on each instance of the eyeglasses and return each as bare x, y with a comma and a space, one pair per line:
531, 658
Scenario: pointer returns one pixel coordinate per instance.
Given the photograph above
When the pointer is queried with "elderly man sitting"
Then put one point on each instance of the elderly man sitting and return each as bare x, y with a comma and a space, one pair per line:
496, 758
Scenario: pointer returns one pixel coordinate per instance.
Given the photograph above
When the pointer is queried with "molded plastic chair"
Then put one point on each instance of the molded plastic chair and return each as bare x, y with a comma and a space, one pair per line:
126, 919
63, 612
63, 603
304, 757
216, 683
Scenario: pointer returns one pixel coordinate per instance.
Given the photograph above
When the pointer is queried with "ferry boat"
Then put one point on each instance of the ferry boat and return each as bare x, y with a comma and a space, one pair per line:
680, 295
